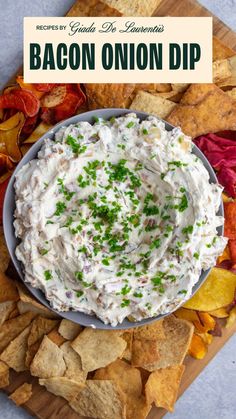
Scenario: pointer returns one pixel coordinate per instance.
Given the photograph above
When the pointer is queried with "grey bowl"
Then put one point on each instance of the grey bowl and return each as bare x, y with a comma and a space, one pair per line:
9, 208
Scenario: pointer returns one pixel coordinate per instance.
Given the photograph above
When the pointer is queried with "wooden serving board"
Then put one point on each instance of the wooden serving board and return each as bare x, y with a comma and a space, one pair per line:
45, 405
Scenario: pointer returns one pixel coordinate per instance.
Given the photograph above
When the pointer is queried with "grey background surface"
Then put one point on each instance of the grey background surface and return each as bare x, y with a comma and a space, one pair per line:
212, 394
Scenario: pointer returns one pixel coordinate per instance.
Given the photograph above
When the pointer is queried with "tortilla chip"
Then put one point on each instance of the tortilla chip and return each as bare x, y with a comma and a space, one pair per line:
144, 352
62, 386
108, 95
4, 255
14, 354
8, 290
204, 108
38, 132
230, 217
156, 105
98, 348
48, 361
216, 292
134, 7
128, 337
40, 327
129, 381
6, 309
12, 328
151, 331
220, 50
232, 93
92, 8
56, 338
4, 375
174, 347
69, 330
73, 363
22, 394
100, 399
162, 386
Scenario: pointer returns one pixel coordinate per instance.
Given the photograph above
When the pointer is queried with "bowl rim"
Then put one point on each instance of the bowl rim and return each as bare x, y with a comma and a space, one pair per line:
8, 219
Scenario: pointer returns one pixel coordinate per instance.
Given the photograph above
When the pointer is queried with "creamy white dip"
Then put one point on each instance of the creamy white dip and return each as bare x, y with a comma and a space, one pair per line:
117, 219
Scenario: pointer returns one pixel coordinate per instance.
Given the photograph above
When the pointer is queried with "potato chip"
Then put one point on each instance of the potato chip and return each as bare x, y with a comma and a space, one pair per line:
232, 318
204, 108
108, 95
56, 338
92, 8
14, 354
162, 386
128, 337
144, 352
69, 330
216, 292
98, 348
22, 394
4, 255
100, 399
152, 331
55, 97
4, 379
197, 348
48, 361
5, 309
40, 327
62, 386
8, 290
9, 138
38, 132
156, 105
219, 313
174, 347
135, 7
73, 363
186, 314
220, 50
12, 328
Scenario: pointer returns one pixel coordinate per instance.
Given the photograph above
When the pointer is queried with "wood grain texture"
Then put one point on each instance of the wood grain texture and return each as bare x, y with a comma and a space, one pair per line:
44, 405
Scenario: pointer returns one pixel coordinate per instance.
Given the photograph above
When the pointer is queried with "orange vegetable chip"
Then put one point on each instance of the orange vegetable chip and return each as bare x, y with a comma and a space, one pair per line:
198, 347
230, 219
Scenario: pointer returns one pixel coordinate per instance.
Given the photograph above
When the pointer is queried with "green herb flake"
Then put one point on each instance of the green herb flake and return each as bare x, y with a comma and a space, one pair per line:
130, 124
48, 275
125, 303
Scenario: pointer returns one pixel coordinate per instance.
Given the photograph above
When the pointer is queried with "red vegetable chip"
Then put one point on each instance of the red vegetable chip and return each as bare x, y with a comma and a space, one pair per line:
44, 87
232, 249
227, 178
69, 106
3, 187
31, 102
230, 220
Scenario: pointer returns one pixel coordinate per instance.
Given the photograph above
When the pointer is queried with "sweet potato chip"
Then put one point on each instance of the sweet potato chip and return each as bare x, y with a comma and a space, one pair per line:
40, 327
9, 136
162, 386
28, 86
48, 361
230, 220
73, 364
98, 348
220, 50
232, 318
152, 104
12, 328
100, 399
144, 352
204, 108
152, 331
4, 379
56, 338
216, 292
22, 394
135, 7
69, 330
5, 309
92, 8
174, 347
62, 386
38, 132
108, 95
15, 352
198, 348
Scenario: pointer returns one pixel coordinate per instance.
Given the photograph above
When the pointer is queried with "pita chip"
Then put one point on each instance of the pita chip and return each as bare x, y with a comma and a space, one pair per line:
69, 330
92, 8
12, 328
48, 361
128, 337
226, 79
56, 338
62, 386
4, 375
73, 363
40, 327
134, 7
28, 303
22, 394
108, 95
100, 399
144, 352
4, 255
6, 309
232, 93
153, 104
162, 386
98, 348
204, 108
152, 331
8, 290
220, 50
15, 352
